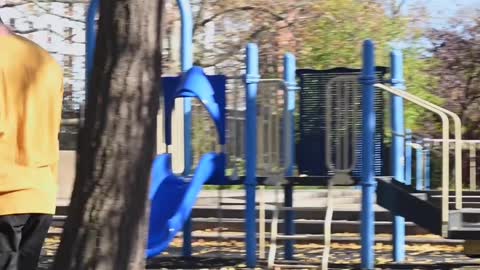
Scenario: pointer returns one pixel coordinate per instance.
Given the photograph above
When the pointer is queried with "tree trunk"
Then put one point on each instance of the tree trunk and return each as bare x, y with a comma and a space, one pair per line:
106, 225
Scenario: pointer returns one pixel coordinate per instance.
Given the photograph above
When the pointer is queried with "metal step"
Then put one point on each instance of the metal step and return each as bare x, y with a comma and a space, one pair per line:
338, 238
469, 215
451, 205
303, 226
465, 198
300, 237
465, 233
398, 198
342, 212
465, 224
295, 209
294, 266
452, 192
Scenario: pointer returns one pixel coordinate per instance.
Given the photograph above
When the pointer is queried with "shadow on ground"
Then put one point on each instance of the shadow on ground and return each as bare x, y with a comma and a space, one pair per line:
195, 263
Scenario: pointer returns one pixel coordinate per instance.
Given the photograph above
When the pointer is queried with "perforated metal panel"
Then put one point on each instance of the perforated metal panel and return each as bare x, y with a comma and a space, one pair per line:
312, 125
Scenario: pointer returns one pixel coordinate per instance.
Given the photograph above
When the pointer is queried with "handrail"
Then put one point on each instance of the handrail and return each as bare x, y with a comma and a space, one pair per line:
458, 151
70, 121
453, 141
416, 146
445, 136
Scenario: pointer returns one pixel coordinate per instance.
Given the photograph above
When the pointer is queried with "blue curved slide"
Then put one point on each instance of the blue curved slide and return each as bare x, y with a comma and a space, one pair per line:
172, 198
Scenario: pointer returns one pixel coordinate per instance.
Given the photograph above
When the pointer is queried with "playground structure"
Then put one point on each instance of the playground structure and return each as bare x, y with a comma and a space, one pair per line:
350, 151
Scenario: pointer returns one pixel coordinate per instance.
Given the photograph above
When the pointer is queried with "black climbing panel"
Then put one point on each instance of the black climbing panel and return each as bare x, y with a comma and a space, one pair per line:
311, 125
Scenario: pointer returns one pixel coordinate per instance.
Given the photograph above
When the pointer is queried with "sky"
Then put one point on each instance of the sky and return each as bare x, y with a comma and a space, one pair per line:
440, 11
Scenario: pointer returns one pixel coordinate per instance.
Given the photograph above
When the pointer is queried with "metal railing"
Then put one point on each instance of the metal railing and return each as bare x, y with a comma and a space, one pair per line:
445, 150
71, 122
471, 145
422, 181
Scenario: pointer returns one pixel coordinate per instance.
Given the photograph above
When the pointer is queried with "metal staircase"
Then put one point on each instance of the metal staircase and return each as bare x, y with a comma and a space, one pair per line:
424, 208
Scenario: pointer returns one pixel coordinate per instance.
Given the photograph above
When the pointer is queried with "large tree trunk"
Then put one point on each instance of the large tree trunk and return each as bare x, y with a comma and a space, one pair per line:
106, 224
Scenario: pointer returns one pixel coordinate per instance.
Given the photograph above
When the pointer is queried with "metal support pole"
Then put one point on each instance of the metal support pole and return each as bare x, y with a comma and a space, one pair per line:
398, 150
91, 36
408, 157
289, 78
251, 81
90, 44
368, 182
473, 166
419, 168
428, 169
186, 50
186, 54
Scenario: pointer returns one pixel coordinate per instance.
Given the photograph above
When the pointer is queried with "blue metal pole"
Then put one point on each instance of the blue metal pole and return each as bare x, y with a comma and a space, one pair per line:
368, 182
419, 169
291, 83
398, 150
289, 68
90, 38
186, 51
186, 56
186, 48
252, 78
427, 168
408, 157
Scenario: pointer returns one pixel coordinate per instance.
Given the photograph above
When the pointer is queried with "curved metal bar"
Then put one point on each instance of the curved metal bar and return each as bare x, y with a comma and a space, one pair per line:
445, 147
458, 153
186, 48
328, 126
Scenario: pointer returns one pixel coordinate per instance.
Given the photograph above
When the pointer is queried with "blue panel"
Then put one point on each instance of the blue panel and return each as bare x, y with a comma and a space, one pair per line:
210, 90
172, 198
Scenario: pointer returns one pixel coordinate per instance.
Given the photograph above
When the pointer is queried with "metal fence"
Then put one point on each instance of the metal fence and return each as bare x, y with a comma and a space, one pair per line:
470, 168
270, 132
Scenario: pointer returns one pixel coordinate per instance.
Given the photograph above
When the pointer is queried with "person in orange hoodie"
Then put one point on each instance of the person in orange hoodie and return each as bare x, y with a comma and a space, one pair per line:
31, 95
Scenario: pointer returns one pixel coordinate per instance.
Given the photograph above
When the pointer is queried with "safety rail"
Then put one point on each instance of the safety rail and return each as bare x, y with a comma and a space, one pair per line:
458, 144
71, 122
471, 145
445, 150
422, 182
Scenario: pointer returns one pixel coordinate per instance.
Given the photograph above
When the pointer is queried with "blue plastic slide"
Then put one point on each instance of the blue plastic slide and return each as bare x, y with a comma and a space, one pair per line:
172, 198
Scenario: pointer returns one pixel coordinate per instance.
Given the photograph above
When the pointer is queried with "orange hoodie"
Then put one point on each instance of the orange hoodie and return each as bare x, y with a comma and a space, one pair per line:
31, 94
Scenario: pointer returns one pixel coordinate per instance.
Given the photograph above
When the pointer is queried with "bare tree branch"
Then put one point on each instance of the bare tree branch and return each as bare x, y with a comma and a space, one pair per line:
233, 49
21, 3
243, 8
35, 30
37, 4
201, 14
